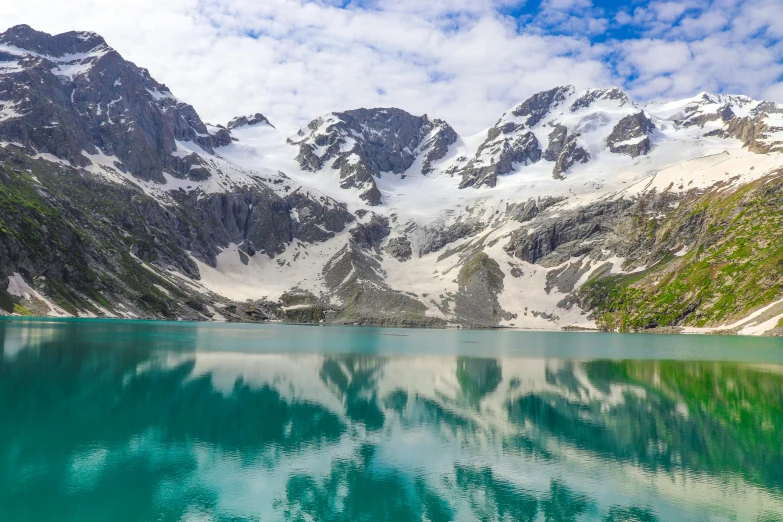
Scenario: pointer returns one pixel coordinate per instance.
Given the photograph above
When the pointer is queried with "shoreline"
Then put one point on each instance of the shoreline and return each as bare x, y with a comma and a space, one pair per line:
675, 330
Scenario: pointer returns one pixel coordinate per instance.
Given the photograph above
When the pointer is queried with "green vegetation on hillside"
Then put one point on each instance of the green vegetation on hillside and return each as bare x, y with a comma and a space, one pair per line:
83, 243
734, 264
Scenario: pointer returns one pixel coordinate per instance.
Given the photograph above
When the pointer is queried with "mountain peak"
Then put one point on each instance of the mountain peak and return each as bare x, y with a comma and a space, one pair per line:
73, 42
365, 143
248, 121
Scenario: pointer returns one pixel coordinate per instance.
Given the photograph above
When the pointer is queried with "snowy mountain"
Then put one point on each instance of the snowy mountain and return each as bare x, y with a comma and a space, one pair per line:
578, 208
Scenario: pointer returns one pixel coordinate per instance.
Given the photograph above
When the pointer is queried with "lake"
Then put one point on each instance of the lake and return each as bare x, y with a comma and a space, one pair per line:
105, 420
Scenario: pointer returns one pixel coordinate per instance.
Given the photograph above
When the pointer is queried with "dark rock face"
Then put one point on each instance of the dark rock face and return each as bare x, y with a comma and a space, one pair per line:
438, 238
752, 132
262, 222
220, 136
565, 150
522, 148
370, 235
316, 221
364, 143
726, 114
767, 107
571, 153
594, 95
25, 37
258, 220
572, 234
557, 141
72, 93
399, 248
531, 208
508, 143
442, 136
355, 276
82, 241
538, 106
480, 281
246, 121
704, 110
634, 128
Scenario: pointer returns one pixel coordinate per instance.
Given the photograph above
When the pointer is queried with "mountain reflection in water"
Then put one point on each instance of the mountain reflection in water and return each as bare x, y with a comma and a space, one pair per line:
134, 428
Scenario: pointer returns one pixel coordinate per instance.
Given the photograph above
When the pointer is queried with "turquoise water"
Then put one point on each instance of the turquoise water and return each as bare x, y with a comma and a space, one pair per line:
145, 421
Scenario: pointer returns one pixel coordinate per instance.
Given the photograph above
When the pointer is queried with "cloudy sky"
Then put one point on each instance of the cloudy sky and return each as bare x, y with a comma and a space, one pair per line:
465, 61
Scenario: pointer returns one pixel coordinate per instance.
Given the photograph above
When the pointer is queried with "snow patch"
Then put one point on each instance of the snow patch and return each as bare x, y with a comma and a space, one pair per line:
18, 287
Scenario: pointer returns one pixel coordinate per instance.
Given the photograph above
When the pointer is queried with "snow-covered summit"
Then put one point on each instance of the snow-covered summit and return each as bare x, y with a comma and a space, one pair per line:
67, 54
249, 120
563, 127
363, 144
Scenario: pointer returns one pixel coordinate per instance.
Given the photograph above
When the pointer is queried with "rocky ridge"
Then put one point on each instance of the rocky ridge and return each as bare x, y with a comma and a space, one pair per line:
117, 200
362, 144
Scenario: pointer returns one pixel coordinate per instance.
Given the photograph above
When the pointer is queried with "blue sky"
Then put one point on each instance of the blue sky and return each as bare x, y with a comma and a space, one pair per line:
465, 61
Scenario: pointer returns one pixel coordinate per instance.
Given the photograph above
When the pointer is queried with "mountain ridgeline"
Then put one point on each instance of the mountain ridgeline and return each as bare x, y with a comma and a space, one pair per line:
578, 208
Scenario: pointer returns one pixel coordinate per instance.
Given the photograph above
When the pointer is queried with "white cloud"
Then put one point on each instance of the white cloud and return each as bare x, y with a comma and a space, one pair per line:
294, 61
669, 11
655, 57
567, 5
719, 45
460, 60
703, 25
774, 92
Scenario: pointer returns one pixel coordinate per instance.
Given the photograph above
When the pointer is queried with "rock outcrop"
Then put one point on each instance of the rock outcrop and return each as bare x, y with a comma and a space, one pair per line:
631, 135
509, 143
71, 95
365, 143
480, 281
248, 121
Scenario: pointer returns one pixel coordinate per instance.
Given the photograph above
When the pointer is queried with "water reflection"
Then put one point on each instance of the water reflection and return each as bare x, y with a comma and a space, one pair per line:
145, 426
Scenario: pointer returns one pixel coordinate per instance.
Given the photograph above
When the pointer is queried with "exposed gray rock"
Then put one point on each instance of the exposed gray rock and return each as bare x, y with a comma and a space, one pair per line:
248, 121
438, 238
574, 233
538, 106
753, 132
441, 137
365, 143
564, 279
531, 208
508, 143
703, 110
356, 278
480, 281
69, 103
504, 153
370, 235
767, 107
259, 220
83, 241
571, 153
594, 95
557, 141
399, 248
317, 220
634, 127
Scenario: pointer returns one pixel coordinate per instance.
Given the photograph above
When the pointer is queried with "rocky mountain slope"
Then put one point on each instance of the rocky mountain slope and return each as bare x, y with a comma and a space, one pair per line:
578, 208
